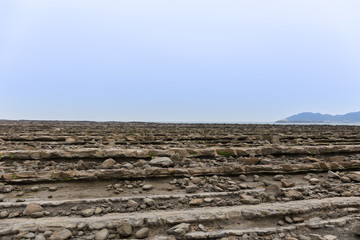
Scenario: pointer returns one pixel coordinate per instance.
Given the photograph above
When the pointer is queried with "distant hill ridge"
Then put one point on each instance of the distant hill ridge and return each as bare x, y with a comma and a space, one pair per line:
318, 117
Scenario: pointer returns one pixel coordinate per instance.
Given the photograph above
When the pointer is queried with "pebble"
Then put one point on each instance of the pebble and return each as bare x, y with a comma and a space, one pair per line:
345, 179
30, 235
313, 181
142, 233
147, 187
331, 174
125, 229
34, 189
4, 213
149, 201
40, 237
330, 237
180, 229
196, 201
191, 188
102, 234
288, 219
356, 229
273, 190
242, 177
278, 177
108, 163
287, 183
61, 234
98, 210
87, 212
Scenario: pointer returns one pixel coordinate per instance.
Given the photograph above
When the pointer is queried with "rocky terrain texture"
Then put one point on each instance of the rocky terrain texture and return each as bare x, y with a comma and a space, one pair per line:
88, 180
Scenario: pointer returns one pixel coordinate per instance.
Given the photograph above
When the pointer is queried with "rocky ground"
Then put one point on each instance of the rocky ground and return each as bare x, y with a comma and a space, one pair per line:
87, 180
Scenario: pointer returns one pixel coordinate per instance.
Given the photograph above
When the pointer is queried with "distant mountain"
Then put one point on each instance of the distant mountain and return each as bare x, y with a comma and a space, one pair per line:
310, 117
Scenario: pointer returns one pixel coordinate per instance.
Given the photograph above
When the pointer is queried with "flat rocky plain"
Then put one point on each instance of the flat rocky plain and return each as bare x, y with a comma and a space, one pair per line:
90, 180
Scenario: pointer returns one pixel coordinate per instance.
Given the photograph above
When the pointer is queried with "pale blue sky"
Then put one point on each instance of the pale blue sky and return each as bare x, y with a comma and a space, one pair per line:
192, 61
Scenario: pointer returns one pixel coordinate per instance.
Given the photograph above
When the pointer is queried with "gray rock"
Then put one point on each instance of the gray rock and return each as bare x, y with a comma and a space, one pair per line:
313, 181
30, 235
242, 177
47, 233
128, 166
345, 179
149, 201
161, 162
39, 237
14, 214
61, 234
32, 208
303, 237
81, 226
180, 229
287, 183
102, 234
288, 219
147, 187
87, 212
273, 190
331, 174
34, 189
191, 188
108, 163
330, 237
157, 237
125, 230
132, 203
294, 194
142, 233
278, 177
196, 202
355, 176
315, 223
4, 214
98, 210
356, 229
37, 214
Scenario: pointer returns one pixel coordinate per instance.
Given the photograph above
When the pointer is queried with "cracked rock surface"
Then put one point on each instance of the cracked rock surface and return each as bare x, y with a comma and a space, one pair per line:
111, 180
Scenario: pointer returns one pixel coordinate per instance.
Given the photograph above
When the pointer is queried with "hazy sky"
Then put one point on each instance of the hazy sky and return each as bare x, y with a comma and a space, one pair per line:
196, 60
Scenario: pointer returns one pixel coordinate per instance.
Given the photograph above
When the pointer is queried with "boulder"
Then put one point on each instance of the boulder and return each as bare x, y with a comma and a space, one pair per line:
108, 163
125, 229
32, 208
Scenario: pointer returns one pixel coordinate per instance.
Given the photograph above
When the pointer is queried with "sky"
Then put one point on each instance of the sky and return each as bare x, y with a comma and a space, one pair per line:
178, 61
